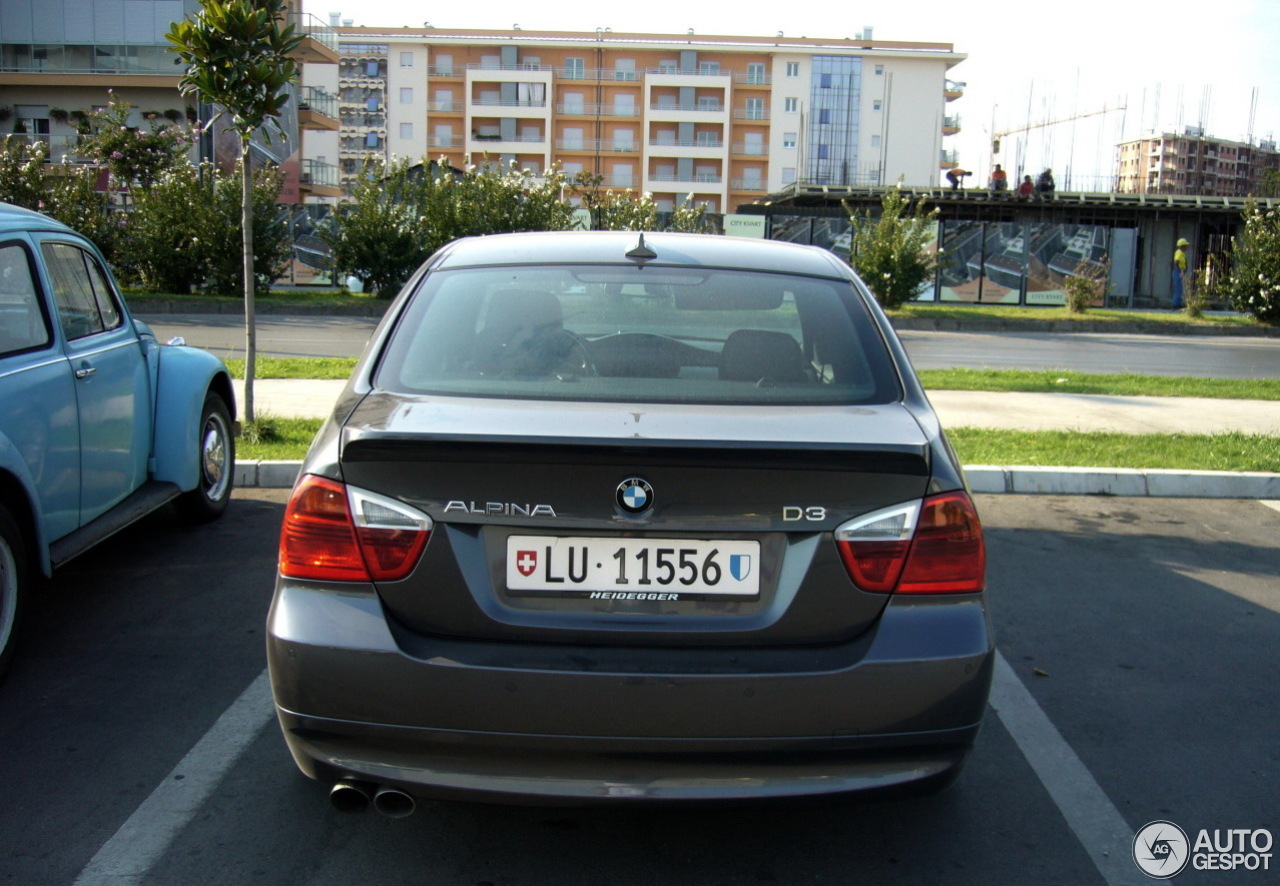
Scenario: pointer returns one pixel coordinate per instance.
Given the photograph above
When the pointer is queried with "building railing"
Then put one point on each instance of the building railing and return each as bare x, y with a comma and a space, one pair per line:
445, 141
318, 100
447, 105
704, 108
317, 172
482, 66
750, 113
701, 178
747, 184
750, 150
686, 143
597, 144
597, 110
310, 26
518, 103
515, 139
88, 58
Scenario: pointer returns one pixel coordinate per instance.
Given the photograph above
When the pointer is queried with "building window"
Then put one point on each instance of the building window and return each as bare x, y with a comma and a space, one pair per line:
788, 175
371, 140
879, 70
406, 130
824, 81
406, 59
668, 66
793, 69
788, 139
371, 103
824, 115
406, 95
624, 69
575, 69
755, 109
708, 67
875, 141
824, 152
710, 103
444, 65
755, 73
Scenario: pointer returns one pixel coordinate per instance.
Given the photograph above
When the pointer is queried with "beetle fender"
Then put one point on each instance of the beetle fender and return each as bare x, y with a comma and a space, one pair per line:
185, 376
17, 492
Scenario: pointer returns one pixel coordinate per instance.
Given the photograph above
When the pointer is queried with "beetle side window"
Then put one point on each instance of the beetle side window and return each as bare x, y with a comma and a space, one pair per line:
22, 323
86, 304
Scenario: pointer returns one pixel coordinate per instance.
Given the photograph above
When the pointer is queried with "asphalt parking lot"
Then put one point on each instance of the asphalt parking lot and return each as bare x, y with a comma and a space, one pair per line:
1139, 641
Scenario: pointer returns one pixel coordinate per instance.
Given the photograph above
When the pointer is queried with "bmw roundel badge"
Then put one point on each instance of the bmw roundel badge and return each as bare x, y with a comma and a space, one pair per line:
634, 495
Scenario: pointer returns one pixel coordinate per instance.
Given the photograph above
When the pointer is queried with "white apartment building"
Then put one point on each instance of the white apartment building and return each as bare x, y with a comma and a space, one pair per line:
724, 119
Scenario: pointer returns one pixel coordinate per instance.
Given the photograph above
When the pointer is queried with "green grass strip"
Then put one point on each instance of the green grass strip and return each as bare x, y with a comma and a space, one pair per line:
296, 367
1058, 381
1232, 451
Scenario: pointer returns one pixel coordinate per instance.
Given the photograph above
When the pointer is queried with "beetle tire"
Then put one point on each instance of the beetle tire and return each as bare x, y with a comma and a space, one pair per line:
216, 457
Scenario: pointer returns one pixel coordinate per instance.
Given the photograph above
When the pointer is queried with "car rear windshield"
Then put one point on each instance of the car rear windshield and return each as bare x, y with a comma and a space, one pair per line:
638, 334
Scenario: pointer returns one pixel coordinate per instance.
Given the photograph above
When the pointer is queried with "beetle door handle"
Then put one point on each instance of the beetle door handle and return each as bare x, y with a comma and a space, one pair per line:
85, 371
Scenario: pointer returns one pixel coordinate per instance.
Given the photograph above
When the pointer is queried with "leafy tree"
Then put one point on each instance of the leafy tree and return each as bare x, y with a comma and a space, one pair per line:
239, 57
400, 214
889, 252
74, 200
614, 210
1254, 285
22, 172
167, 239
272, 242
133, 155
690, 218
379, 235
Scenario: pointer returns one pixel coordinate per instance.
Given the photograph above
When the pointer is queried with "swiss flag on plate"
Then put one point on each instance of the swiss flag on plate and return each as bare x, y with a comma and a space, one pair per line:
526, 562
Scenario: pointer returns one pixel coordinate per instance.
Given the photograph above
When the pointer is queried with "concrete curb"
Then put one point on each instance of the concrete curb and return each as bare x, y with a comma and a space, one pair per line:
1013, 480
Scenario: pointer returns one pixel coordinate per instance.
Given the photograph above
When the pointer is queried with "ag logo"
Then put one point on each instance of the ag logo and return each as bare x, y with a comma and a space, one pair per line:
1161, 850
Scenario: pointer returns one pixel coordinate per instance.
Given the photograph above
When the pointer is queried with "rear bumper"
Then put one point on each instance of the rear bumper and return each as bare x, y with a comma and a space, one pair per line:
524, 722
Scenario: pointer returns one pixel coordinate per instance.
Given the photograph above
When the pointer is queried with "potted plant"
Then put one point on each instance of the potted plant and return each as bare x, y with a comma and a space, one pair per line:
59, 115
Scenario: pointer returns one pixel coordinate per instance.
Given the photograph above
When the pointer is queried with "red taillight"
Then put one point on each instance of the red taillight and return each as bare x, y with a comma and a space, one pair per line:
332, 532
948, 555
930, 547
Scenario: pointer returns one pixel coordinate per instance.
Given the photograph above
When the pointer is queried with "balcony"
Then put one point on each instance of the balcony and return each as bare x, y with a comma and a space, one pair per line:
595, 75
597, 110
598, 145
445, 106
948, 159
455, 142
317, 109
750, 113
707, 150
319, 179
752, 150
319, 43
92, 64
700, 178
747, 184
952, 90
951, 125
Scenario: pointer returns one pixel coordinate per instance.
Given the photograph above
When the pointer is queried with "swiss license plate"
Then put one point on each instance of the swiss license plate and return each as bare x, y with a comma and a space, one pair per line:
633, 568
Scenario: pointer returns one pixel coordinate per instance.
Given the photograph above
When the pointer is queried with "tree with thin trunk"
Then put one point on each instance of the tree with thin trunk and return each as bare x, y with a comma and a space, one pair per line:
239, 57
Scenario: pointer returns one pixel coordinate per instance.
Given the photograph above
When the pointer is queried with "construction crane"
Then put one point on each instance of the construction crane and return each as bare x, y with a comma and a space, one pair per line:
998, 135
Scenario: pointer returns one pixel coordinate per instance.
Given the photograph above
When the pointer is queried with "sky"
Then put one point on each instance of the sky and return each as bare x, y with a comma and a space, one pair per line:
1168, 65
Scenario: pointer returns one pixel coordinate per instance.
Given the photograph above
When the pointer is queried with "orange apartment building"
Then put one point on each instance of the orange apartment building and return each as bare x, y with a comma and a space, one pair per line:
1195, 164
722, 119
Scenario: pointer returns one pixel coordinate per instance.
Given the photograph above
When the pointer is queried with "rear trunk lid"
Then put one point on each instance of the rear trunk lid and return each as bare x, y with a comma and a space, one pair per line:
538, 540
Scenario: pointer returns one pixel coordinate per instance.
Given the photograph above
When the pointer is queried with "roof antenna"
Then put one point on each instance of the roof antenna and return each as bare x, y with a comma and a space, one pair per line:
641, 252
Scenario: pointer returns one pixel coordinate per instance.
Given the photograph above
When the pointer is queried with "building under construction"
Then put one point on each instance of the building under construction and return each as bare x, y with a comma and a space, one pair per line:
995, 248
1195, 164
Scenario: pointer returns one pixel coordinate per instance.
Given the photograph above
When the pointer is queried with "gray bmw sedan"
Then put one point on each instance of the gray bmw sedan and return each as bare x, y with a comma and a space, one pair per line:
619, 517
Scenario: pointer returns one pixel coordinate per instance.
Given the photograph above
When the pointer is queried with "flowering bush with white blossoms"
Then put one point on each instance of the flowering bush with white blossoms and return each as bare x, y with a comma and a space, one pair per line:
1254, 285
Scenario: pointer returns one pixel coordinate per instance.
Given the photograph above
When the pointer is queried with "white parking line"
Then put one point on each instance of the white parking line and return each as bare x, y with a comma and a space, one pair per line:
128, 856
140, 841
1106, 837
1274, 505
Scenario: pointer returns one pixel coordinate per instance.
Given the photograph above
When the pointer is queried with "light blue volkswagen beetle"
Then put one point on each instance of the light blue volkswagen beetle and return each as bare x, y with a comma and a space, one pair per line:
99, 423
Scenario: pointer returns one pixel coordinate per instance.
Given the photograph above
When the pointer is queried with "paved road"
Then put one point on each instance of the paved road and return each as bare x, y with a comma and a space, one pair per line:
1139, 642
1205, 356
